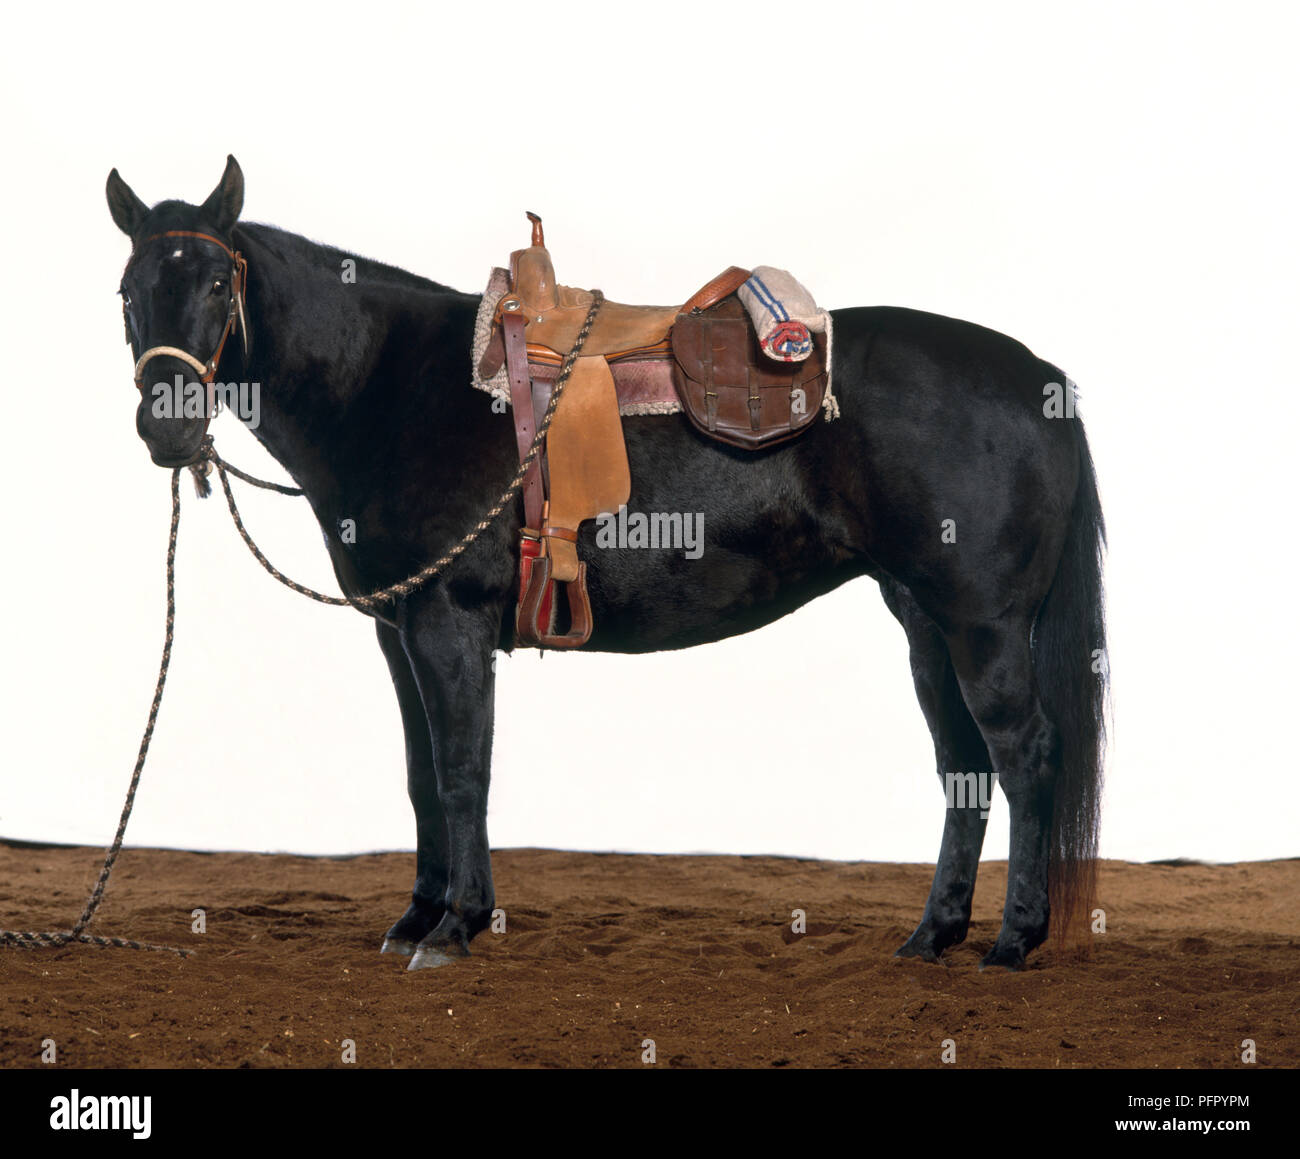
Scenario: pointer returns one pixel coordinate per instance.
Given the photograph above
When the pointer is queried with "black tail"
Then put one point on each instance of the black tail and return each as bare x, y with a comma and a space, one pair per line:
1069, 648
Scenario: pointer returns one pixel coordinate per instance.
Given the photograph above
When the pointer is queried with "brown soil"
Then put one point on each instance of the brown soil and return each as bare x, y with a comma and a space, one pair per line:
602, 952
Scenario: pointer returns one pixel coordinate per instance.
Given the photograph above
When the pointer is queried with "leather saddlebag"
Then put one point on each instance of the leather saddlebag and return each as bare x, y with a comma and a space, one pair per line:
734, 392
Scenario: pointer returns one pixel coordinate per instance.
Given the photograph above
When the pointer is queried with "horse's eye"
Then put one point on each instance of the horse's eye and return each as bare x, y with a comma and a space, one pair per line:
219, 286
126, 298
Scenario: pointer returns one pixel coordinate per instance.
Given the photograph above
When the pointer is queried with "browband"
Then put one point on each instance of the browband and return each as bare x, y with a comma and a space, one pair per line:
191, 233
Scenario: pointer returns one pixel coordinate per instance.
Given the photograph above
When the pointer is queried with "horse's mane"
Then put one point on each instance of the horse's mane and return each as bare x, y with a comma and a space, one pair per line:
293, 247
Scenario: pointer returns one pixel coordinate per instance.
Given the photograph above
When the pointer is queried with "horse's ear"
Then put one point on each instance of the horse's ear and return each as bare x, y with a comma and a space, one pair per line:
127, 209
226, 201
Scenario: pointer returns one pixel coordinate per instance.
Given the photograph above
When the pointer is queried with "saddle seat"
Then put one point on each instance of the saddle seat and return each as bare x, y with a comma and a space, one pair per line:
554, 314
555, 317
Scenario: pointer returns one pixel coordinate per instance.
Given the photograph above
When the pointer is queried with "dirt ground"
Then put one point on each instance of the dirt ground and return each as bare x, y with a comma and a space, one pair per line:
602, 952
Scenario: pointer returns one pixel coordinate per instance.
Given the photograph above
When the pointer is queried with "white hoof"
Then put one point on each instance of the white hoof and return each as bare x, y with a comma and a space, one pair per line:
398, 946
424, 959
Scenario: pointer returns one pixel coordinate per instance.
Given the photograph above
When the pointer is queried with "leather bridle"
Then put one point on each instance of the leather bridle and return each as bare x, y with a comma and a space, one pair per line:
235, 319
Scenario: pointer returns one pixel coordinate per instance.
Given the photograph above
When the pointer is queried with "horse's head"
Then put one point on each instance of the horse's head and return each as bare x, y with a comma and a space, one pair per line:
182, 298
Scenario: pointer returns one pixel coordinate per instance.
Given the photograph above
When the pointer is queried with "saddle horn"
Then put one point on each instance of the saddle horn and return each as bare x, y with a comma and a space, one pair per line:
538, 239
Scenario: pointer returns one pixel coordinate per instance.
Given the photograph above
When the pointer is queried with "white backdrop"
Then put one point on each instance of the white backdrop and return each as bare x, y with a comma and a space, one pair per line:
1114, 185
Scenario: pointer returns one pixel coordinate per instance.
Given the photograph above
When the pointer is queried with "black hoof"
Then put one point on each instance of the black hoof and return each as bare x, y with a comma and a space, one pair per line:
911, 950
1002, 958
928, 941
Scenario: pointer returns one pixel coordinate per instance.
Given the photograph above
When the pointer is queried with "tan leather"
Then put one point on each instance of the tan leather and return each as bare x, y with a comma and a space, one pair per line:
549, 532
589, 471
532, 277
555, 313
638, 381
618, 327
544, 355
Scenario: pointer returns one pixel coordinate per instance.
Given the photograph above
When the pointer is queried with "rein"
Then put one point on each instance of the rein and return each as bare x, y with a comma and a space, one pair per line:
206, 460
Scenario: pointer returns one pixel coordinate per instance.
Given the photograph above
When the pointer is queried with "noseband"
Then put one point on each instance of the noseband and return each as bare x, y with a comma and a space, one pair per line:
235, 318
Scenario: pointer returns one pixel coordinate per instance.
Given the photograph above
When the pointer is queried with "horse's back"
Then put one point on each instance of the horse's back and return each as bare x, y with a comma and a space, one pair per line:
941, 436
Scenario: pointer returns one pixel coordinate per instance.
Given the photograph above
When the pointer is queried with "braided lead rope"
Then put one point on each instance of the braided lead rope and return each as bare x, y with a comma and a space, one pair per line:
33, 938
265, 484
201, 468
367, 604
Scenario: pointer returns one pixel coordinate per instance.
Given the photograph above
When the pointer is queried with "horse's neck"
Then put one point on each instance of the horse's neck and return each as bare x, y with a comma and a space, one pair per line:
315, 337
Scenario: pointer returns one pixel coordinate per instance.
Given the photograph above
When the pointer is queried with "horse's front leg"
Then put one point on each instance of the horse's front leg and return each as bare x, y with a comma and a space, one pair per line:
426, 908
449, 649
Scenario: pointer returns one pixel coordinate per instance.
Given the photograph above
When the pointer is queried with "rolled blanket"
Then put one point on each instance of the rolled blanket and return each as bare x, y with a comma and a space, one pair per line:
784, 313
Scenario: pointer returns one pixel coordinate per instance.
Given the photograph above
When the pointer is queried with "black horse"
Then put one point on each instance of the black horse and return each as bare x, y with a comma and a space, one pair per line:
955, 477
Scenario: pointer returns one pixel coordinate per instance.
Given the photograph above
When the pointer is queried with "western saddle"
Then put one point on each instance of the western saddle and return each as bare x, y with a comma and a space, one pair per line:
702, 357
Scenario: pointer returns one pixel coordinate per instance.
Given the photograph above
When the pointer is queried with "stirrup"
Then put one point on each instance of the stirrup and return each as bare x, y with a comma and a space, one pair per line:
535, 619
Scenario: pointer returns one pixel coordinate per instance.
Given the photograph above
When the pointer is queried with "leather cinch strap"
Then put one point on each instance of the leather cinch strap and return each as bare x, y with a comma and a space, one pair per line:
521, 403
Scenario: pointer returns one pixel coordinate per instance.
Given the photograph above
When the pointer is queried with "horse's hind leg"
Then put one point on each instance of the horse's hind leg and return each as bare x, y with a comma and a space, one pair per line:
427, 906
995, 669
958, 748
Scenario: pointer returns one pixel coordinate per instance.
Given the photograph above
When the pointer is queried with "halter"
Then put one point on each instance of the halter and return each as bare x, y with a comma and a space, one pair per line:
235, 318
